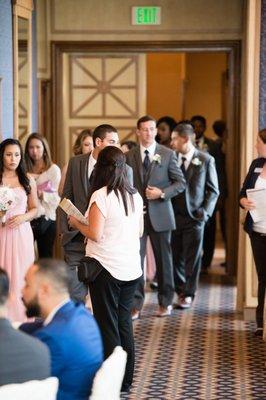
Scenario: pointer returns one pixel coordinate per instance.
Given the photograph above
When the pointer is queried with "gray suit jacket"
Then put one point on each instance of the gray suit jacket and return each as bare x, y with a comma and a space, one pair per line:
76, 189
165, 175
202, 191
23, 358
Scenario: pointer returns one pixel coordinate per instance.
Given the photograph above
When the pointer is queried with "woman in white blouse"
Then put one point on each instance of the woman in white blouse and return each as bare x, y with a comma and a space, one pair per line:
47, 176
254, 225
115, 217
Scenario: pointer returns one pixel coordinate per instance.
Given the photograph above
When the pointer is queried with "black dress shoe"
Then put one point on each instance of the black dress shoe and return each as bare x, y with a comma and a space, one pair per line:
258, 332
154, 285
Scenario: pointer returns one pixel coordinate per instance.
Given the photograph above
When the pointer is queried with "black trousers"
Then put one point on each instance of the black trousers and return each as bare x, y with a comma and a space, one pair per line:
161, 245
112, 302
186, 247
44, 232
258, 244
73, 253
209, 241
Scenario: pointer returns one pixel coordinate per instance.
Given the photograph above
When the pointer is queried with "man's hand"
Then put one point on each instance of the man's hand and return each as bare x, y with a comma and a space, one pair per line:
72, 222
153, 193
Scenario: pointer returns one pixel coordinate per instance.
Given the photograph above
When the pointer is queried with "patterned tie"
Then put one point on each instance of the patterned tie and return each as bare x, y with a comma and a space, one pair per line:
182, 166
146, 161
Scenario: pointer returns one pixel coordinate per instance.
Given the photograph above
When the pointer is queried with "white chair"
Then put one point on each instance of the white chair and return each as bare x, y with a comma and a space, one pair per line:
108, 379
33, 390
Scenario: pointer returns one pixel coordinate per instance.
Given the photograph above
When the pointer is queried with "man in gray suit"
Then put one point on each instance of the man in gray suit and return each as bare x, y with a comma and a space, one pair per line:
157, 178
76, 189
192, 209
23, 358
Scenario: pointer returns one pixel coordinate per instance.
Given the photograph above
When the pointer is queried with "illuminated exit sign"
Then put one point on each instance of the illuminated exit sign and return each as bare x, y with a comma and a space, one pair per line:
146, 15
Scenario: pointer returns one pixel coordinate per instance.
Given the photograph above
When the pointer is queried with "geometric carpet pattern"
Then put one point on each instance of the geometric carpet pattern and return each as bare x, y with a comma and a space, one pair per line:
205, 353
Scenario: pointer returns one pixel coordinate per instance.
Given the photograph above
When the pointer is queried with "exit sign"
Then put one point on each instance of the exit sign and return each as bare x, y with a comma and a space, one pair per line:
146, 15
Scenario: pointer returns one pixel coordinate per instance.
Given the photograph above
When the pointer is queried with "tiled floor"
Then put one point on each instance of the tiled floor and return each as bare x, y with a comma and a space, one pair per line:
206, 352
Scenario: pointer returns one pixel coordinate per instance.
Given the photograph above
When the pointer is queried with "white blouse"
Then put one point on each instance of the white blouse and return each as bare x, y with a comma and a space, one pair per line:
118, 249
48, 205
260, 226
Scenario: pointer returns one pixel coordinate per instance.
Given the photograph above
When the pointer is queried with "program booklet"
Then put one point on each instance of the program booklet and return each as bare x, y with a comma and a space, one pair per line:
70, 209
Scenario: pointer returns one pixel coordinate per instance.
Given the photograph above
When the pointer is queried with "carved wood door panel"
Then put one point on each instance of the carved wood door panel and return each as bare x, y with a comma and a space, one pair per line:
102, 88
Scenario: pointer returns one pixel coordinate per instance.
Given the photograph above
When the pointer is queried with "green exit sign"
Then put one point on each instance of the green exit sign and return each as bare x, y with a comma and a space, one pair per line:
146, 15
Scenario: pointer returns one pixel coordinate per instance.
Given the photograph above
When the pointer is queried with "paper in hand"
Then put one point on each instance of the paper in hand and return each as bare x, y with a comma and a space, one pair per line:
70, 209
258, 196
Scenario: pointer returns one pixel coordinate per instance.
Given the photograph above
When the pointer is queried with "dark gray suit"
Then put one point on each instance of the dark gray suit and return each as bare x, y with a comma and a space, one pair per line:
76, 189
23, 358
192, 209
159, 220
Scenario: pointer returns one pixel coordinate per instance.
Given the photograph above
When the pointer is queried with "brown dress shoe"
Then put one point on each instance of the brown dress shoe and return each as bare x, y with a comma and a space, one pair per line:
164, 311
135, 314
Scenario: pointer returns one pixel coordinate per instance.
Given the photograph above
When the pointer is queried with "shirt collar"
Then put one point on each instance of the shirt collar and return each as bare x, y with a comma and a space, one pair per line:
188, 156
151, 150
51, 315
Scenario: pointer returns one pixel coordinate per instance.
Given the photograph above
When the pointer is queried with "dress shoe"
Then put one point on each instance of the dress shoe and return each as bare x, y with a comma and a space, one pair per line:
154, 285
258, 332
135, 314
185, 302
164, 311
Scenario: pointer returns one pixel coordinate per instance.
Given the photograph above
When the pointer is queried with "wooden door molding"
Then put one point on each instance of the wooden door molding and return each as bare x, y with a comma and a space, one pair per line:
231, 47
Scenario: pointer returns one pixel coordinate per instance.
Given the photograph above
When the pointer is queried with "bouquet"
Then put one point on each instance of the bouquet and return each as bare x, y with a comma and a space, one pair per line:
7, 201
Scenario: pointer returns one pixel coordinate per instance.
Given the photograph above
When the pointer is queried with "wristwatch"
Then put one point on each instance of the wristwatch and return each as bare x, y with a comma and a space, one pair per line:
162, 196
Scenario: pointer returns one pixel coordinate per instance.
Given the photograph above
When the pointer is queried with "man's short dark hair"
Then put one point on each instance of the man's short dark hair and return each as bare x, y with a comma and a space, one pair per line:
145, 118
184, 129
56, 271
219, 127
101, 131
199, 118
4, 286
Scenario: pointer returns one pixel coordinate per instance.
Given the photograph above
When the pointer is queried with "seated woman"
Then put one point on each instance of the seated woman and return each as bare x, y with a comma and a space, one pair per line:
115, 217
256, 178
47, 176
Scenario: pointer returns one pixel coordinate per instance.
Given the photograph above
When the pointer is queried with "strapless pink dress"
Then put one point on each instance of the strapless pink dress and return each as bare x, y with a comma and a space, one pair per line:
16, 255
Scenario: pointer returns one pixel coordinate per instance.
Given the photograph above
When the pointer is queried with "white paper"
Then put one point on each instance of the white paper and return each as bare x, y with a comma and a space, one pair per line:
258, 196
70, 209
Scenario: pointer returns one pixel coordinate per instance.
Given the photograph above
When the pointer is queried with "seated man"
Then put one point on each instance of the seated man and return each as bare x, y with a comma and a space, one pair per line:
23, 358
68, 329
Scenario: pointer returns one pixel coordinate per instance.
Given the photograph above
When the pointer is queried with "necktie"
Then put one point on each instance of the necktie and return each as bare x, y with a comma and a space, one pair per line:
182, 166
146, 161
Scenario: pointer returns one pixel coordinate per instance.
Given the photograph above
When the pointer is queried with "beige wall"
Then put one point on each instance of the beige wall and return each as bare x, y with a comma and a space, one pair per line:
165, 79
203, 93
105, 20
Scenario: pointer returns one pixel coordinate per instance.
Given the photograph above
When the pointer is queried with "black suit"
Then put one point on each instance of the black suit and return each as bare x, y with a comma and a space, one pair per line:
23, 358
258, 241
192, 209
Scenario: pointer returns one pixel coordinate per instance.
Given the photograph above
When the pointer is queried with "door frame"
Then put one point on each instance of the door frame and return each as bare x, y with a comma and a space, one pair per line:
233, 50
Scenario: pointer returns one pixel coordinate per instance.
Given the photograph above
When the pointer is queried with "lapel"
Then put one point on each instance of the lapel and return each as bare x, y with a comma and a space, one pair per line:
152, 165
191, 168
84, 164
139, 165
258, 164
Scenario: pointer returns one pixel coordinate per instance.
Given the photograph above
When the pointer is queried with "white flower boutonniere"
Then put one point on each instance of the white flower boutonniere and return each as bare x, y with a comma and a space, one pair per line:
196, 161
157, 158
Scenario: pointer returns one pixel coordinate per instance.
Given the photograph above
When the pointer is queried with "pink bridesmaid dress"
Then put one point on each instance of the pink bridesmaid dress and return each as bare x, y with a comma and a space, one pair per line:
16, 255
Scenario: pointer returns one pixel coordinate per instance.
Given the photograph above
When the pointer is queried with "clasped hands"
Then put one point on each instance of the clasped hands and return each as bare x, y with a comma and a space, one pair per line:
153, 193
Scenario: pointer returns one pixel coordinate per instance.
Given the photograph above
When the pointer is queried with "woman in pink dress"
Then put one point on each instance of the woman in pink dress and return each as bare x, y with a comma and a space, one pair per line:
16, 238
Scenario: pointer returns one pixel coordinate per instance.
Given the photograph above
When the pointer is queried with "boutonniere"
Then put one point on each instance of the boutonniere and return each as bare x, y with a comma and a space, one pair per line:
196, 161
157, 158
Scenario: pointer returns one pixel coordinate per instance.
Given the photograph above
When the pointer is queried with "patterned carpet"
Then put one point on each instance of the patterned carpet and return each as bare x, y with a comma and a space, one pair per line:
205, 353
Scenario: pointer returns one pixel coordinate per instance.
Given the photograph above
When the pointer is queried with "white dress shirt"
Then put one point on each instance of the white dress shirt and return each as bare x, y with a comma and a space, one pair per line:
51, 315
188, 156
260, 226
91, 164
150, 149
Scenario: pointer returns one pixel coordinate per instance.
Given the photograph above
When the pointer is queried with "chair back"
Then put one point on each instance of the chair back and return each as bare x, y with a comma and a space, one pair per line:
108, 379
45, 389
